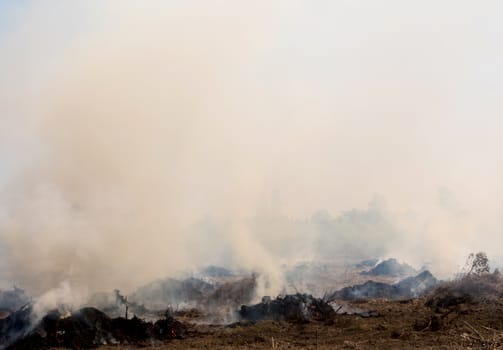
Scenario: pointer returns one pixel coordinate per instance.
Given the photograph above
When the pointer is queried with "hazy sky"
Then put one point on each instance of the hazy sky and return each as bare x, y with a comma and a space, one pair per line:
122, 116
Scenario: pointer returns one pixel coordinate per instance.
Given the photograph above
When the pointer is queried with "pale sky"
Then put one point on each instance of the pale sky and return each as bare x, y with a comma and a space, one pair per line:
408, 85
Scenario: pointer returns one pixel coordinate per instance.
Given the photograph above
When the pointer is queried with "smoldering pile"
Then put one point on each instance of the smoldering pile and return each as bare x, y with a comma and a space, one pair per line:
15, 325
22, 328
295, 308
211, 295
87, 328
410, 287
196, 292
15, 314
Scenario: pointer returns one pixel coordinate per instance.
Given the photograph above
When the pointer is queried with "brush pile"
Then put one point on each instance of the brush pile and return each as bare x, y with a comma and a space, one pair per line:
294, 308
90, 328
472, 288
14, 325
410, 287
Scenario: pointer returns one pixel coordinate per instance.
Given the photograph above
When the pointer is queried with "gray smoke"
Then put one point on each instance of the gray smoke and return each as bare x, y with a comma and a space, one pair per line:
140, 140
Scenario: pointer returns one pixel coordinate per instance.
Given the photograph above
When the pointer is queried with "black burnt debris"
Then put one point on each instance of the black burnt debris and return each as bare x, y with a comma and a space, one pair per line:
14, 325
15, 311
90, 328
410, 287
198, 301
294, 308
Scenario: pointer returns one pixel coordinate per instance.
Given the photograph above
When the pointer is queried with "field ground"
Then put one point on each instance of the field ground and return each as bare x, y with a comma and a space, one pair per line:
407, 324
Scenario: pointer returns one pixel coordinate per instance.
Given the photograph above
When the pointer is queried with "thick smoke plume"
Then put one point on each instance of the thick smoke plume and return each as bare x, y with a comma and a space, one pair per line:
141, 140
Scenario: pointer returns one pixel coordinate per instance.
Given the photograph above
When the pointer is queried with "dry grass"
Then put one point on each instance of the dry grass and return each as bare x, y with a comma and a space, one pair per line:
401, 325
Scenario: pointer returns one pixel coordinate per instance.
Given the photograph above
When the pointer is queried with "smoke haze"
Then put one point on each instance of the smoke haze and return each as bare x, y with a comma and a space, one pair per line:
139, 140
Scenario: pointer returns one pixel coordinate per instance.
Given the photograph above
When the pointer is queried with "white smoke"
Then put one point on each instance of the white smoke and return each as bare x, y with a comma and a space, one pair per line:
126, 125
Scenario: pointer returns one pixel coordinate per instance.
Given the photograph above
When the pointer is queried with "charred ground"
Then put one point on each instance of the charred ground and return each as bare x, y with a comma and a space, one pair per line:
416, 311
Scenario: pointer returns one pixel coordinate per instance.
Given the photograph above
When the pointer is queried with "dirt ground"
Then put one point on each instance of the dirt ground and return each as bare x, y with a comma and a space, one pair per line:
399, 325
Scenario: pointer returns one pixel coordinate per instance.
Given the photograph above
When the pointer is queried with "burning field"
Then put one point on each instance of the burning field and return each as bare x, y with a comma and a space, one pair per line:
219, 312
265, 174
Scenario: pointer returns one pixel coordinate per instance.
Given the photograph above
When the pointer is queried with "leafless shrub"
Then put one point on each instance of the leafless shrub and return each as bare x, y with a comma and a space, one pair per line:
471, 288
476, 264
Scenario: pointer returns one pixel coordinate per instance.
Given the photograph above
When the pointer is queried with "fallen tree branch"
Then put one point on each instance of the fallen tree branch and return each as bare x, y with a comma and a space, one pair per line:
476, 331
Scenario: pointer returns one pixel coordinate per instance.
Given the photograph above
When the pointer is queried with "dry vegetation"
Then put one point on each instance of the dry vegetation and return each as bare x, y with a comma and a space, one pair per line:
400, 325
466, 313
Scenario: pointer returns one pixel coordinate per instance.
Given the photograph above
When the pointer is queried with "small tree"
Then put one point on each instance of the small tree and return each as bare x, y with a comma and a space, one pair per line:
477, 264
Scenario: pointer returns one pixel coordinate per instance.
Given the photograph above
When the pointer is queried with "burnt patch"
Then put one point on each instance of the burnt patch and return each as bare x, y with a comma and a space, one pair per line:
90, 328
294, 308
